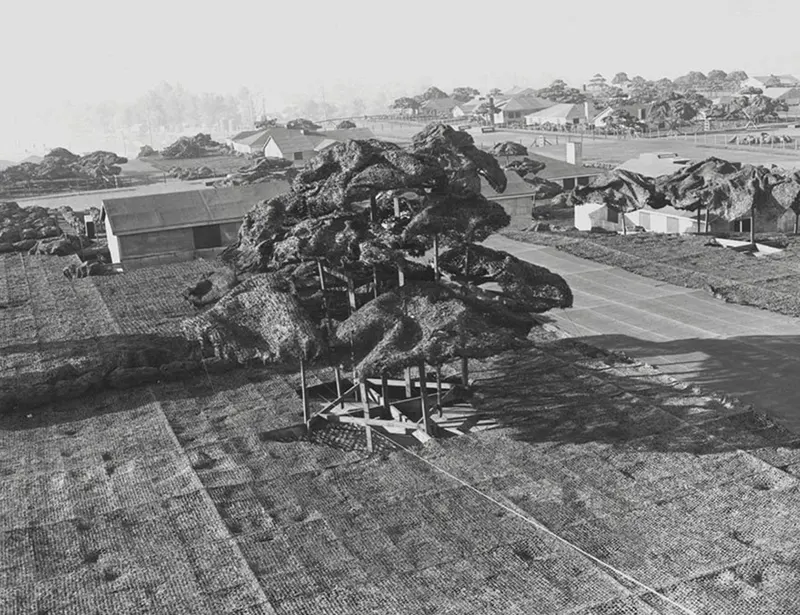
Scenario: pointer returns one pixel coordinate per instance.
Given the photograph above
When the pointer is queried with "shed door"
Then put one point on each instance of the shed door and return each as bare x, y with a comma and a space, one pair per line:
644, 220
672, 225
207, 237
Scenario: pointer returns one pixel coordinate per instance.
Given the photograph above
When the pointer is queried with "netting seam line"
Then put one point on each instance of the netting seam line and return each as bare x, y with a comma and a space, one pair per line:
538, 525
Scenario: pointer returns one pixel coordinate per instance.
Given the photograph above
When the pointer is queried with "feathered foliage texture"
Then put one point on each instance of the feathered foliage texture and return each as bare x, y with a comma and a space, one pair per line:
259, 319
528, 287
433, 322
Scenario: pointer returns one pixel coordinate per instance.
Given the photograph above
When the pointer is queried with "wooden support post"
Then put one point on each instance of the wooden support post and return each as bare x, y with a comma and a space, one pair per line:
373, 209
706, 220
374, 281
351, 295
753, 225
385, 391
698, 220
796, 222
465, 371
337, 374
423, 398
436, 273
365, 402
306, 412
439, 388
407, 374
401, 276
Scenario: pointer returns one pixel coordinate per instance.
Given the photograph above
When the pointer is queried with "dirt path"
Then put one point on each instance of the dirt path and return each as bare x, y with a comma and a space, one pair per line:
740, 351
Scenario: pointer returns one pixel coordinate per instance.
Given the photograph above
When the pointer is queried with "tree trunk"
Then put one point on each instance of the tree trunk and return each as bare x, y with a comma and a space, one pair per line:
698, 220
706, 220
466, 261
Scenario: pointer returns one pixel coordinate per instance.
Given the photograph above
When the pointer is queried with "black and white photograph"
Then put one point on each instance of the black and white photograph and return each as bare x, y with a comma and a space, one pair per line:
412, 308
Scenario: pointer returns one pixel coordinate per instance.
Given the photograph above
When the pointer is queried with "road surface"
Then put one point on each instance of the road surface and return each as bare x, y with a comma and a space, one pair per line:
749, 353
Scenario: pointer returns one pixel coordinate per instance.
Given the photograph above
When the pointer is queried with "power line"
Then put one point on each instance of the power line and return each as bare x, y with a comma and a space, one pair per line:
538, 525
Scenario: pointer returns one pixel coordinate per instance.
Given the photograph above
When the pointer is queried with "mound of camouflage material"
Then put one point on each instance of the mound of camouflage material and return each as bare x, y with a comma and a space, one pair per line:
191, 147
62, 164
146, 151
625, 190
463, 162
525, 166
211, 287
191, 173
730, 190
345, 125
263, 169
85, 269
302, 124
509, 148
21, 227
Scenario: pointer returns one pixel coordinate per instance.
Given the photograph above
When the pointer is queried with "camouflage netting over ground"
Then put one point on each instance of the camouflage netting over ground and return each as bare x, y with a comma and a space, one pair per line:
625, 190
525, 166
433, 322
259, 319
528, 287
21, 227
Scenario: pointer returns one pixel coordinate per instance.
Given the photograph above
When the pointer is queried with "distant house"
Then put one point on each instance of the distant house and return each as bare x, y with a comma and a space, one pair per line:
653, 164
161, 228
302, 145
564, 114
637, 111
250, 141
517, 199
465, 109
520, 91
590, 216
790, 95
771, 81
569, 172
513, 110
442, 107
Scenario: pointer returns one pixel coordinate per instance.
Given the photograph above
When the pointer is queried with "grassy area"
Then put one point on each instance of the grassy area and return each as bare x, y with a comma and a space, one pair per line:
221, 165
182, 497
770, 283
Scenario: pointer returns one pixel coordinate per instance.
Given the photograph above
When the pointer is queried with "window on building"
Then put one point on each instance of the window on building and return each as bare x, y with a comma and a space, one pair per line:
612, 215
298, 155
207, 237
742, 226
569, 183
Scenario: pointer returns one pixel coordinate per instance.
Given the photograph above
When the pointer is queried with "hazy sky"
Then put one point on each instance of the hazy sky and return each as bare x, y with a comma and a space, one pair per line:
87, 50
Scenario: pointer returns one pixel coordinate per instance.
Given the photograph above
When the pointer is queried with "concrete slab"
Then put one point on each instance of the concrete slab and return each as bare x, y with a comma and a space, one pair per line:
740, 351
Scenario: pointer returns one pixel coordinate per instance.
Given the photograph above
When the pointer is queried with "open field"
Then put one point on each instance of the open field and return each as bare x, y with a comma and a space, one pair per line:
615, 151
770, 283
183, 497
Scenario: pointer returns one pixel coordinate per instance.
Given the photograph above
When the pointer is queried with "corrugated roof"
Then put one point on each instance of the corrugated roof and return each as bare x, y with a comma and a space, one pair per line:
158, 212
254, 138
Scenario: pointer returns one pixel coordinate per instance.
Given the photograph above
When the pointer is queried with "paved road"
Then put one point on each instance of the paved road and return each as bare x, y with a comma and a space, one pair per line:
746, 352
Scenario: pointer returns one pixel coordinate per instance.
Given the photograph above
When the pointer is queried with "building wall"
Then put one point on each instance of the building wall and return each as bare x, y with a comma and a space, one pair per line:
656, 222
241, 147
271, 150
160, 247
113, 243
